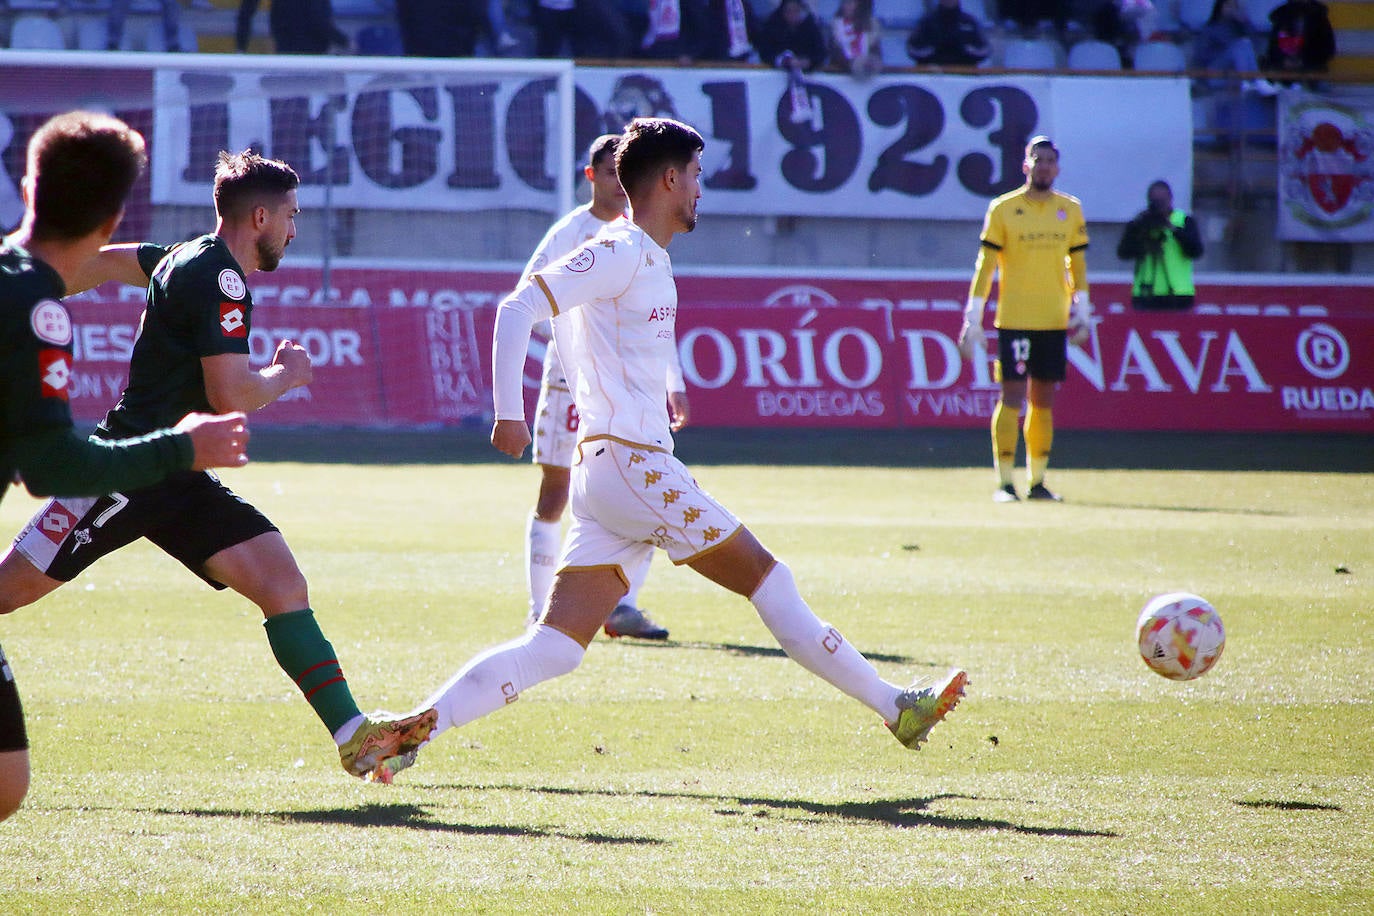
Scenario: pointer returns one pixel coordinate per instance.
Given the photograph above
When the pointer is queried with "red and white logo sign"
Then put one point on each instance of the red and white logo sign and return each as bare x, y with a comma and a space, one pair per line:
231, 284
51, 323
56, 522
231, 320
54, 371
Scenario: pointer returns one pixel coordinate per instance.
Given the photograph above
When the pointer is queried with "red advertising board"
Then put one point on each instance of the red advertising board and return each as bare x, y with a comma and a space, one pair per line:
412, 348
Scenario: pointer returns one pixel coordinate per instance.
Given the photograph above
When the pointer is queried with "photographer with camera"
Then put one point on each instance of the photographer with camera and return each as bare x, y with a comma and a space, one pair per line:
1163, 241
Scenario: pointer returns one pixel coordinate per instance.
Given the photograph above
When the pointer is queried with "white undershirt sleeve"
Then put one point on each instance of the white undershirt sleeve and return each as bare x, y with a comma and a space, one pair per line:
515, 318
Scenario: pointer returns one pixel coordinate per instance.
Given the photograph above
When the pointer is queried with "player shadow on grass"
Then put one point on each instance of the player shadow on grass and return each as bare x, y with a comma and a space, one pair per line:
889, 812
1201, 510
763, 651
410, 816
1278, 805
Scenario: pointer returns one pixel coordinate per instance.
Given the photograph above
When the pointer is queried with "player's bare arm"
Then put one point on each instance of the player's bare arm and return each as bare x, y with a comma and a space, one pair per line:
231, 384
219, 440
113, 262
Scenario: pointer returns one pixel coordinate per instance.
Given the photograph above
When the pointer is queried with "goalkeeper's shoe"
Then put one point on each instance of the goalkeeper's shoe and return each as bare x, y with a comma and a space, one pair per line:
382, 737
1041, 492
1006, 493
924, 704
385, 772
628, 620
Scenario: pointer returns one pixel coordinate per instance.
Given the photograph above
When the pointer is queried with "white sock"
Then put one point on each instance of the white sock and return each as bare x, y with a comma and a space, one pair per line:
349, 729
541, 560
817, 646
499, 675
637, 575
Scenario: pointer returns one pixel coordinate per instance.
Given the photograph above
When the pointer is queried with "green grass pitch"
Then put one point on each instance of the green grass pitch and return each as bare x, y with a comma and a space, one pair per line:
176, 770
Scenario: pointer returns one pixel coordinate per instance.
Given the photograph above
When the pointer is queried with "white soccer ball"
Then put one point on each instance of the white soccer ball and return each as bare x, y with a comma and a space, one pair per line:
1180, 636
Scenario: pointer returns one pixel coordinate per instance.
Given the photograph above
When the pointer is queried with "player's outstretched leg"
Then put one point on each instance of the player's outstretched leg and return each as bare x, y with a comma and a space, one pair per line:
924, 704
382, 737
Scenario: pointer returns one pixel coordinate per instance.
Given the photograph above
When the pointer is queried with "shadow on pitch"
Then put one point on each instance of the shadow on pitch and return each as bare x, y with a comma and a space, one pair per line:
412, 817
1277, 805
891, 812
757, 651
1199, 510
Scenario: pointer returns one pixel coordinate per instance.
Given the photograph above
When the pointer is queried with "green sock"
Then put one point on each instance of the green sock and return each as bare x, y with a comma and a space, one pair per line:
309, 660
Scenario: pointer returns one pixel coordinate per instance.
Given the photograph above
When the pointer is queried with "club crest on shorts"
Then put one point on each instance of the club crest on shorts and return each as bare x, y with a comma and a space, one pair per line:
231, 320
54, 372
231, 284
51, 323
582, 261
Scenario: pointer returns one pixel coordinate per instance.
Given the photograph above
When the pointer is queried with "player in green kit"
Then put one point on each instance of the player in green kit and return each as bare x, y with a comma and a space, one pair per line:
192, 354
80, 167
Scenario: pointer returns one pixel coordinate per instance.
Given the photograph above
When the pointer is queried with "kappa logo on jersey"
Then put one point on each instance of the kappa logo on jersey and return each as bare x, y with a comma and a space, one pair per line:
51, 323
231, 284
56, 522
231, 320
582, 262
54, 371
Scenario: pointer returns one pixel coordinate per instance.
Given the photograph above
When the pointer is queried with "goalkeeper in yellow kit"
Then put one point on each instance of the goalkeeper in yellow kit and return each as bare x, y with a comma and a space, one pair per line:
1034, 239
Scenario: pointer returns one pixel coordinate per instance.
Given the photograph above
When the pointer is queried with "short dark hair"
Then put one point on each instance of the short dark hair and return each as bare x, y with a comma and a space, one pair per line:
246, 180
650, 145
81, 166
1038, 141
1159, 183
603, 146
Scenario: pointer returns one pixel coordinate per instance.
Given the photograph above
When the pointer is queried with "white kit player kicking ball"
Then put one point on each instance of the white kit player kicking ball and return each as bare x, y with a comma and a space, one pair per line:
555, 416
614, 304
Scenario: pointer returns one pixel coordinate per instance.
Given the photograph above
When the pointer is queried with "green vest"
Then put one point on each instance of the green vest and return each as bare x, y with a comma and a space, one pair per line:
1165, 273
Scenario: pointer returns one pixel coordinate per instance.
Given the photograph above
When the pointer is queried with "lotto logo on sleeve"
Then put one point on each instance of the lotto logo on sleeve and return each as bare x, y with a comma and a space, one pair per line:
54, 371
56, 522
231, 320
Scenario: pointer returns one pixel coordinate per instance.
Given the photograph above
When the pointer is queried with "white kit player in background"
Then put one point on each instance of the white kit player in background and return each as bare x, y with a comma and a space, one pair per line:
614, 305
556, 418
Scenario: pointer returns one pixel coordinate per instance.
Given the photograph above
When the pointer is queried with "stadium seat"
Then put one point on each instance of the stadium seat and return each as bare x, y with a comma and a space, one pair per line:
1091, 54
36, 33
1257, 11
91, 33
1159, 57
1193, 14
895, 14
379, 41
1031, 54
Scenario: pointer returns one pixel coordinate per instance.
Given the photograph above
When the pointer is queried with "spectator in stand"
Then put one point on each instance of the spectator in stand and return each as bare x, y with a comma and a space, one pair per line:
1300, 39
727, 31
1225, 43
305, 27
948, 36
602, 30
440, 28
855, 38
555, 28
791, 37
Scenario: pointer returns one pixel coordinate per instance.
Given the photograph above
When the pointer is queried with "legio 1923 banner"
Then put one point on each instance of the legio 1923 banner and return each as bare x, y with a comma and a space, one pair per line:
403, 348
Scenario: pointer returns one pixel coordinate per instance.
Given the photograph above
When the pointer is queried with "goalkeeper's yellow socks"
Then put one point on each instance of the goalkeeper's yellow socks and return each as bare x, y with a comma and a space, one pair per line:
309, 660
1039, 438
1004, 434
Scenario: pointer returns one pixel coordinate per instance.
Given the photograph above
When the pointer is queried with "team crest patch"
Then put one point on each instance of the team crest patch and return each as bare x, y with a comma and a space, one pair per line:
54, 372
231, 320
582, 261
51, 323
231, 284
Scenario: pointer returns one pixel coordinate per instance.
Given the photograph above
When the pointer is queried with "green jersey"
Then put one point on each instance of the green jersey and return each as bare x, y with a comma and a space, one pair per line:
37, 442
198, 305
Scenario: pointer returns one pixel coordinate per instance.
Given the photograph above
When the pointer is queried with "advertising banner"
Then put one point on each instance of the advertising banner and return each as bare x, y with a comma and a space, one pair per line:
412, 349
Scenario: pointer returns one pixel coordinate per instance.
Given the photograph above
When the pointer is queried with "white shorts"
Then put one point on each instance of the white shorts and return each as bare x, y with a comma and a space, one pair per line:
555, 427
627, 500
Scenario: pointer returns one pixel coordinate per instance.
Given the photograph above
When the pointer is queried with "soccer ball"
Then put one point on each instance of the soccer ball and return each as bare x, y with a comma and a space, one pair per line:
1180, 636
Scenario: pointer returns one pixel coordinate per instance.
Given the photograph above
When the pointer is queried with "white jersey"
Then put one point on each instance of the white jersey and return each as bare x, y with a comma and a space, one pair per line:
577, 226
614, 305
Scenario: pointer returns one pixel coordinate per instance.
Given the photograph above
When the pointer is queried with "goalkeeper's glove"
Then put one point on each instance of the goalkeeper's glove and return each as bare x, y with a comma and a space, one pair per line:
971, 338
1080, 319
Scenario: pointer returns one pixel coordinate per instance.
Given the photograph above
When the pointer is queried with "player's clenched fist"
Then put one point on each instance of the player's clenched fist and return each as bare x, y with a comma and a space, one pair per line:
510, 437
294, 359
219, 440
